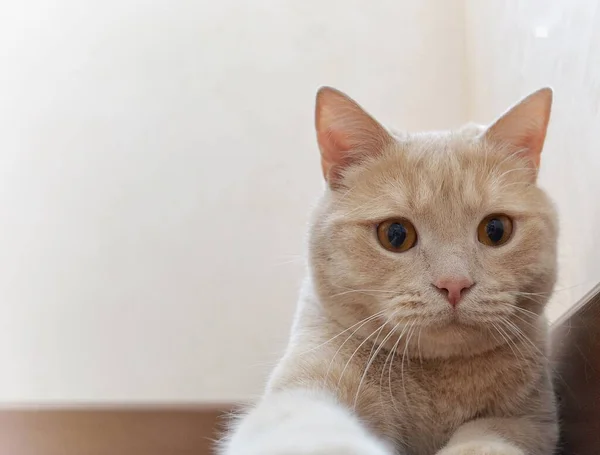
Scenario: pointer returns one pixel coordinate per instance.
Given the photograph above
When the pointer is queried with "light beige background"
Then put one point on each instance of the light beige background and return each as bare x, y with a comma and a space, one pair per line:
515, 47
157, 167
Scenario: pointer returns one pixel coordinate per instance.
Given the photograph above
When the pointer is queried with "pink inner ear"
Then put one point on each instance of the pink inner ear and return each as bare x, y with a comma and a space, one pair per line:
334, 149
533, 146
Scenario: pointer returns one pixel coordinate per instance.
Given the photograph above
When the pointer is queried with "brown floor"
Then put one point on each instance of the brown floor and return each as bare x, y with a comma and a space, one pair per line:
153, 431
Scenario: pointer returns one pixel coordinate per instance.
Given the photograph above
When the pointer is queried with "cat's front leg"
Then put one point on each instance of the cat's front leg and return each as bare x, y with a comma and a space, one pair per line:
503, 436
483, 446
301, 422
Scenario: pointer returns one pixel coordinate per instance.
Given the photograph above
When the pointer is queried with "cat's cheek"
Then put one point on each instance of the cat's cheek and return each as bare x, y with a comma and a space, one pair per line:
511, 267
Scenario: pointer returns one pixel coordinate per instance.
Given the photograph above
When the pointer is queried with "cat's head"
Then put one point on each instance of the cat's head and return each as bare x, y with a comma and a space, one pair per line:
447, 232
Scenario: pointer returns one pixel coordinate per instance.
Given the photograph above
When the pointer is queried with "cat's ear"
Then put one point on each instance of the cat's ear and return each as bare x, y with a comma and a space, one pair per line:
345, 133
522, 128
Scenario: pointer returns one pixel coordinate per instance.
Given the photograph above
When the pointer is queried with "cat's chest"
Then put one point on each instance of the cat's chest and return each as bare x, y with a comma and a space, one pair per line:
459, 391
436, 398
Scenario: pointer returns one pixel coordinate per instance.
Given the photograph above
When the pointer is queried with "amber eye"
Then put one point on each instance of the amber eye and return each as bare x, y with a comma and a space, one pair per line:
397, 235
495, 230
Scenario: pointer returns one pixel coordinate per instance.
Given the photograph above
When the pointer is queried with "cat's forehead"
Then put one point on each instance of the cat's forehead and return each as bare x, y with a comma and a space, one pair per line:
448, 174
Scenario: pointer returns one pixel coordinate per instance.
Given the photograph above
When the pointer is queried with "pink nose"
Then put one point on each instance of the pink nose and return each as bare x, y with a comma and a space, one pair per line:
453, 287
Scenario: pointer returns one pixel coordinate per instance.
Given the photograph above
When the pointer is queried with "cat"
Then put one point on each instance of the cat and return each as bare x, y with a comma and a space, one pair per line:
420, 327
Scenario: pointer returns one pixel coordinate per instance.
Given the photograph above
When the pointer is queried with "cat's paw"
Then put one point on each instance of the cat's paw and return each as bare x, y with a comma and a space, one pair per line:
482, 448
310, 445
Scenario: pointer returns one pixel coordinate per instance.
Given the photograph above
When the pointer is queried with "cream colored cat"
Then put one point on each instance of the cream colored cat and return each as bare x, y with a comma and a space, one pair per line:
420, 327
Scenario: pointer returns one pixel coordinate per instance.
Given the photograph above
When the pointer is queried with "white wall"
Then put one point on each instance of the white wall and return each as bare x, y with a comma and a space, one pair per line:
157, 164
515, 47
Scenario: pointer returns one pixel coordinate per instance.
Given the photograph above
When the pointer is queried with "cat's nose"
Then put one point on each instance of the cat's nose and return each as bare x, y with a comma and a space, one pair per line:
453, 288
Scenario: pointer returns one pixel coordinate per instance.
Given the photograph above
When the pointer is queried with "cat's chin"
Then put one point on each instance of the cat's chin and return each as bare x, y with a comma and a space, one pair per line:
454, 325
454, 334
455, 338
467, 318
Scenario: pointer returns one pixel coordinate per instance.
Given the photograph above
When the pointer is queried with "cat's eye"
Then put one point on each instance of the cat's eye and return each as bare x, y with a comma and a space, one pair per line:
495, 230
397, 235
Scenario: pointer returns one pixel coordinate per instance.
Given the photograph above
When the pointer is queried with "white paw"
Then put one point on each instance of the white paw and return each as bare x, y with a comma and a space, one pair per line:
302, 422
482, 448
311, 444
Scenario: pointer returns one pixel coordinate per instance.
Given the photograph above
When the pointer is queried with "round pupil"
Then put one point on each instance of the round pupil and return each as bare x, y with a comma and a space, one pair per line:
396, 235
494, 230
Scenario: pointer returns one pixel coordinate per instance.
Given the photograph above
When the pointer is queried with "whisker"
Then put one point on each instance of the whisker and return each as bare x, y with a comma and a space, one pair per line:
291, 259
395, 350
526, 339
408, 337
387, 358
525, 321
539, 299
369, 319
419, 346
517, 332
362, 322
371, 359
521, 335
504, 337
378, 330
346, 194
525, 311
362, 291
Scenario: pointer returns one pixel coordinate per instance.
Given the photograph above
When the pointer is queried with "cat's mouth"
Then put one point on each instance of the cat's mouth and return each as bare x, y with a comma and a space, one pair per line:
477, 319
464, 318
475, 312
